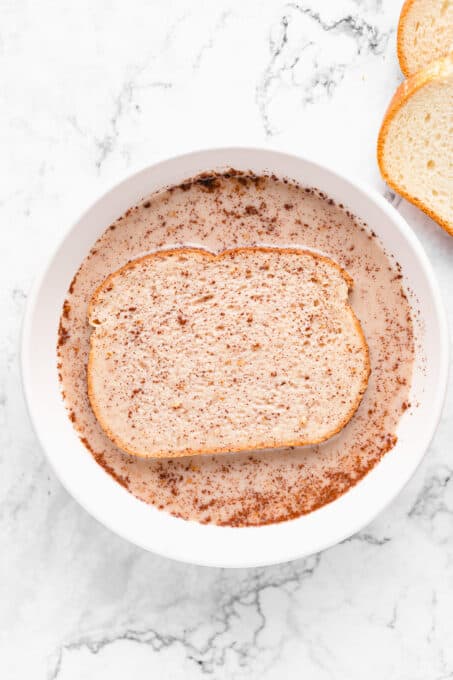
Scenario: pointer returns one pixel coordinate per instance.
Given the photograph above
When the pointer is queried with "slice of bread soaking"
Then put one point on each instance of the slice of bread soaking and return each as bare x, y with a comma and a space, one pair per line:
195, 353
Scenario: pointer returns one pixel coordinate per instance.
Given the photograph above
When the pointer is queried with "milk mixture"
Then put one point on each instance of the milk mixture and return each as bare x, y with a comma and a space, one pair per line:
220, 212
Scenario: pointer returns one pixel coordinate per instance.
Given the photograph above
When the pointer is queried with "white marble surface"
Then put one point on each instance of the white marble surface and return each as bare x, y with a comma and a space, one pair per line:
89, 92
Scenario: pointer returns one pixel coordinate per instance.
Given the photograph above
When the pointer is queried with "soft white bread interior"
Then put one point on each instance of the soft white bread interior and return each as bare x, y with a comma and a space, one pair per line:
425, 33
415, 144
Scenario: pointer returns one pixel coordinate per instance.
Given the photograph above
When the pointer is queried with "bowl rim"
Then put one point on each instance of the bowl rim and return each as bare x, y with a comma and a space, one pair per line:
292, 552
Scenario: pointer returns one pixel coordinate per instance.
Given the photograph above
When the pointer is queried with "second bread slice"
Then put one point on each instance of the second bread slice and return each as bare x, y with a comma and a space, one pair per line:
415, 144
195, 353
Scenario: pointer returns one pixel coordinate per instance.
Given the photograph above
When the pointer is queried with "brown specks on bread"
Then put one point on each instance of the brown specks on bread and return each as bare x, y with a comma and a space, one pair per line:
257, 348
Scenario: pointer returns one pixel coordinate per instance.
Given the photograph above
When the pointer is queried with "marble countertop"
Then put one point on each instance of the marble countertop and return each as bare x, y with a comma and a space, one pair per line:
91, 91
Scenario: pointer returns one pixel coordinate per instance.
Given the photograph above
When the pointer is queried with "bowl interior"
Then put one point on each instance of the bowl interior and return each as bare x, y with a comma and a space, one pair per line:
223, 546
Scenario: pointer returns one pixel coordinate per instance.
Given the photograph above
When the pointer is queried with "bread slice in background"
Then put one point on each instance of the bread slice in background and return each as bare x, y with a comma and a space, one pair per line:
425, 33
415, 143
195, 353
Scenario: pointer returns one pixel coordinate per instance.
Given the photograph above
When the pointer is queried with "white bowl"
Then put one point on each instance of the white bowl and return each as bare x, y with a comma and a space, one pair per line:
156, 530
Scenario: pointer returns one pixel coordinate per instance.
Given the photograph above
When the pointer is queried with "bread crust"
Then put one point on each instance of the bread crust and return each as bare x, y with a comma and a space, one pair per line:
440, 69
251, 445
400, 37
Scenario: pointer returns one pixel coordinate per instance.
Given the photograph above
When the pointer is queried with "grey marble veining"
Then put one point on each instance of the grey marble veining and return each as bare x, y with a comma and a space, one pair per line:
91, 92
311, 51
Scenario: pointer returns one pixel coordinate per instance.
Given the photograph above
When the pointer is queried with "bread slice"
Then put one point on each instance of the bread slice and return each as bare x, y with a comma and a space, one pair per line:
415, 143
195, 353
425, 33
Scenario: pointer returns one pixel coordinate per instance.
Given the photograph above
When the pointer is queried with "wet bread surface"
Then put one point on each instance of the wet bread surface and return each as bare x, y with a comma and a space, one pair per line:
196, 353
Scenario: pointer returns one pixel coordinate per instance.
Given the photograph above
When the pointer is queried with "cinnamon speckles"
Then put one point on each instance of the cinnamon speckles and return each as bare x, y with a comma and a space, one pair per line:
72, 284
204, 298
63, 334
100, 458
66, 309
208, 182
222, 211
